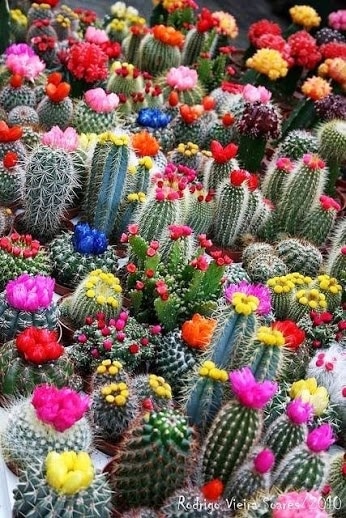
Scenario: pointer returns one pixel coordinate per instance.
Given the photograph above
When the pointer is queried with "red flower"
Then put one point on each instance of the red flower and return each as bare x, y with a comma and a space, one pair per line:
328, 203
16, 81
212, 490
238, 177
87, 61
9, 134
223, 154
57, 93
333, 49
39, 345
232, 88
134, 348
261, 27
10, 159
205, 21
133, 229
294, 336
52, 3
304, 49
131, 267
200, 263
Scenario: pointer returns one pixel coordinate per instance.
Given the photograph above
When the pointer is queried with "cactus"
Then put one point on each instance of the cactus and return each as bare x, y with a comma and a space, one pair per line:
131, 43
187, 154
296, 144
27, 301
10, 141
159, 50
237, 427
165, 435
11, 178
331, 146
17, 94
90, 496
74, 255
223, 131
23, 116
113, 408
125, 78
222, 163
190, 126
336, 264
282, 293
289, 429
200, 210
55, 108
107, 372
306, 466
22, 370
331, 288
253, 250
97, 292
41, 28
32, 431
50, 181
205, 394
337, 480
152, 388
235, 273
275, 178
299, 256
303, 188
21, 254
39, 12
194, 42
87, 119
183, 82
304, 301
264, 267
107, 182
319, 221
190, 502
252, 477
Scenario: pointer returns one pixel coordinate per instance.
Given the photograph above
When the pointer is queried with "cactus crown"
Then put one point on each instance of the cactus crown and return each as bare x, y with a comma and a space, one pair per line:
115, 394
112, 368
101, 287
167, 427
208, 369
158, 385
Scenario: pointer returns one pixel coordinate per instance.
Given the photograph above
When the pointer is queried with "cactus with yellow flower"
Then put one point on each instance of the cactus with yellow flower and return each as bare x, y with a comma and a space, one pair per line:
64, 483
154, 390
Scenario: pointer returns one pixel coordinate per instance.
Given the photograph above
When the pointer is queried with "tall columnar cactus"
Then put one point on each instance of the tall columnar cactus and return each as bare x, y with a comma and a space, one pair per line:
252, 477
107, 181
50, 419
275, 178
337, 480
306, 466
237, 427
68, 483
288, 430
50, 182
164, 435
319, 221
220, 165
197, 37
302, 190
200, 210
160, 50
27, 301
299, 256
331, 146
34, 357
56, 108
98, 292
336, 263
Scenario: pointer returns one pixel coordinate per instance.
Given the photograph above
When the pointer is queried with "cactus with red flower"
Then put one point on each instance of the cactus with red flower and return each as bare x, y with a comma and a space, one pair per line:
11, 178
56, 107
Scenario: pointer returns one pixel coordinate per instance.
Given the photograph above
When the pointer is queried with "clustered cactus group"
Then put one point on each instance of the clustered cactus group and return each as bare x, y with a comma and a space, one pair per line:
195, 224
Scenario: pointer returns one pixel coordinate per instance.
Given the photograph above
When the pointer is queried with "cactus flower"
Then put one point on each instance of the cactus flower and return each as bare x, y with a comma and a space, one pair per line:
248, 298
305, 16
198, 331
253, 93
264, 461
39, 345
248, 391
30, 292
182, 78
321, 438
100, 101
295, 504
309, 392
69, 472
299, 412
88, 240
28, 66
58, 139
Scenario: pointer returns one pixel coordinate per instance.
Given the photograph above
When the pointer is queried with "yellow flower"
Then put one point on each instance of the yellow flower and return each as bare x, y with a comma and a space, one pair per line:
327, 283
244, 304
18, 17
299, 279
305, 15
335, 68
280, 284
227, 24
208, 369
160, 386
69, 472
268, 62
115, 393
316, 88
271, 337
312, 298
310, 392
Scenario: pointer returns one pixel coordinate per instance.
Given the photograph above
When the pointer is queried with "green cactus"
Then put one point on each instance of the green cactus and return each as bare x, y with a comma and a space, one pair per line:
11, 179
185, 130
264, 267
130, 45
253, 250
275, 178
235, 273
191, 503
23, 116
296, 144
55, 113
6, 29
299, 256
282, 293
189, 96
193, 45
337, 481
331, 288
154, 388
336, 264
187, 154
50, 181
93, 499
157, 56
113, 408
306, 300
87, 120
39, 12
107, 182
216, 172
223, 131
107, 372
331, 146
41, 28
14, 96
125, 78
319, 221
164, 435
140, 512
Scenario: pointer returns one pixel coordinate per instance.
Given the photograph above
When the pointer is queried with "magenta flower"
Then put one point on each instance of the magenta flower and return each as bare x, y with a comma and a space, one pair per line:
264, 461
56, 138
30, 292
250, 392
299, 412
27, 66
320, 438
256, 93
101, 102
97, 36
18, 49
60, 408
302, 504
261, 292
337, 20
182, 78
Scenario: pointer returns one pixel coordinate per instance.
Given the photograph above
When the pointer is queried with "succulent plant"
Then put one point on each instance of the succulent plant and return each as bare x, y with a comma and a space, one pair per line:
17, 94
299, 256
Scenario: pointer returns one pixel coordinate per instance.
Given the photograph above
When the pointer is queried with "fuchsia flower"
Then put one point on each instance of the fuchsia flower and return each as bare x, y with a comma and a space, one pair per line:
61, 408
313, 161
328, 203
28, 66
337, 20
178, 231
259, 291
284, 164
98, 36
30, 292
299, 412
302, 504
101, 102
320, 439
19, 49
256, 93
58, 139
248, 391
182, 78
264, 461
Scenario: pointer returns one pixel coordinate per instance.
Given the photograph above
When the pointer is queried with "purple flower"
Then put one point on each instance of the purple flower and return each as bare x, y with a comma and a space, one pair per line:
30, 292
320, 438
248, 391
255, 296
18, 49
299, 412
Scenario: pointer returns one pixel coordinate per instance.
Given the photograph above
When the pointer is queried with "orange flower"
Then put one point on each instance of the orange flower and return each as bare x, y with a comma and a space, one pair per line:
145, 144
335, 69
168, 35
316, 88
198, 331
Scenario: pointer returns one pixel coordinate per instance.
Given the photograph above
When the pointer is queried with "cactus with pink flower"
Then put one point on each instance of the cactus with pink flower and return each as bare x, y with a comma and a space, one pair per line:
184, 82
96, 113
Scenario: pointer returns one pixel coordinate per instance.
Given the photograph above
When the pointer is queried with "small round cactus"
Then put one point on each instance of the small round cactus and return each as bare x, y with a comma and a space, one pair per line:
297, 143
299, 256
263, 267
153, 388
17, 94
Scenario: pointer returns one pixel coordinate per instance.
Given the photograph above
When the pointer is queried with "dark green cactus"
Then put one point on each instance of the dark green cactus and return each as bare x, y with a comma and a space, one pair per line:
87, 120
296, 144
157, 56
299, 256
53, 113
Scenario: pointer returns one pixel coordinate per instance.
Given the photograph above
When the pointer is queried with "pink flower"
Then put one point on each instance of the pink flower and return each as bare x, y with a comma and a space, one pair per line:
264, 461
299, 412
313, 162
261, 292
97, 36
337, 20
182, 78
99, 101
328, 203
61, 408
248, 391
256, 93
320, 438
58, 139
284, 164
30, 292
302, 504
25, 65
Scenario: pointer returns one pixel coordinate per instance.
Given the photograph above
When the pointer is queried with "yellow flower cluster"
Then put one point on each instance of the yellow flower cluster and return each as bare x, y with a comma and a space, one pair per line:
299, 279
280, 284
41, 6
109, 367
316, 88
244, 304
335, 68
116, 393
69, 472
160, 386
137, 196
101, 286
309, 392
208, 369
18, 17
146, 161
63, 21
305, 16
117, 140
327, 283
268, 62
271, 337
117, 25
312, 298
128, 66
189, 149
